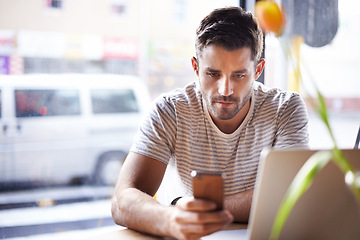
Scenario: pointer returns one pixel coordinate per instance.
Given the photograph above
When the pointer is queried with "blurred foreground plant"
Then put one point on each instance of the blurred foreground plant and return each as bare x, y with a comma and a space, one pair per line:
272, 19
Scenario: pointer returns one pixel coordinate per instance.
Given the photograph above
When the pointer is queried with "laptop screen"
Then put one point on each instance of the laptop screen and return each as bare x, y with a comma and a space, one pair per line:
328, 210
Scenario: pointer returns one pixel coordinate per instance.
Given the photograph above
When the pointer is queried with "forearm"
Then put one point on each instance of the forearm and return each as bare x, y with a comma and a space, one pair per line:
136, 210
133, 206
239, 205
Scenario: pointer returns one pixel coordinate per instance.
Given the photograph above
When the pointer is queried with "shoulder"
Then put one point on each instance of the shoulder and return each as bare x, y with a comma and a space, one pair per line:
275, 96
188, 96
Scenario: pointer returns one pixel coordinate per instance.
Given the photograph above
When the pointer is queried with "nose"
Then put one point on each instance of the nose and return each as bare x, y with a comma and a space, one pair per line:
225, 87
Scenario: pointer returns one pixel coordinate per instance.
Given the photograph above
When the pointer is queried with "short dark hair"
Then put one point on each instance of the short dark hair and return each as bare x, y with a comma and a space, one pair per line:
231, 28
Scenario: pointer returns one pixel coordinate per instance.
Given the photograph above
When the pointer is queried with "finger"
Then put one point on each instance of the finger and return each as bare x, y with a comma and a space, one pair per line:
193, 225
218, 217
196, 205
195, 231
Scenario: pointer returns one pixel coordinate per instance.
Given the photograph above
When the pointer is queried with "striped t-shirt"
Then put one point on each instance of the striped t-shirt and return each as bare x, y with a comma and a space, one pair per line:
179, 132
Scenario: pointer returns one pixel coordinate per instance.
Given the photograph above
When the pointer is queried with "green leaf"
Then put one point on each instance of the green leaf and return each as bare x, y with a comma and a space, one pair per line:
306, 175
299, 185
340, 160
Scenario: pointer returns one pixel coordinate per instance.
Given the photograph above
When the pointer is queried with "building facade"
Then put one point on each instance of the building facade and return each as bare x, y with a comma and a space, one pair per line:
153, 39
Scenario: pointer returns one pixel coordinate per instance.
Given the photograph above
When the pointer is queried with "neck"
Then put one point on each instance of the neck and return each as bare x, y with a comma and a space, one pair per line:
230, 126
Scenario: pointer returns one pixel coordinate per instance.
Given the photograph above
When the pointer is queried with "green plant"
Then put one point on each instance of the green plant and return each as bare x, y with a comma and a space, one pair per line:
308, 172
317, 161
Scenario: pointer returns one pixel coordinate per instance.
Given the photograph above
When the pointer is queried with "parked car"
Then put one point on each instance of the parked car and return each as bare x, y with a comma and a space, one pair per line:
67, 127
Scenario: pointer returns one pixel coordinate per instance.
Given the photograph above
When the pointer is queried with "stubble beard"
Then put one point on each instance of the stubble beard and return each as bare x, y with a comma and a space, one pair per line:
226, 113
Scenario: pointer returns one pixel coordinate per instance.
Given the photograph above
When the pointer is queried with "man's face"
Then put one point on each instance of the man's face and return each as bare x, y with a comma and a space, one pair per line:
226, 79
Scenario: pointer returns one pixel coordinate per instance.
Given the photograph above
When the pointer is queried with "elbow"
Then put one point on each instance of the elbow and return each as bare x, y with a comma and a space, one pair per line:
115, 211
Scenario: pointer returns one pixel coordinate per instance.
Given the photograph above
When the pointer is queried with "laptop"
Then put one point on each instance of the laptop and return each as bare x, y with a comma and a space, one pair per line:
328, 210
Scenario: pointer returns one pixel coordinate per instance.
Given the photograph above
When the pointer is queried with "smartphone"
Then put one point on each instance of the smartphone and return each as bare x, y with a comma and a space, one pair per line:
209, 186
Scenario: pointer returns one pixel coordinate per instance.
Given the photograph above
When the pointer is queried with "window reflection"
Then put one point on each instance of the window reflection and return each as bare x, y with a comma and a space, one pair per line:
36, 103
113, 101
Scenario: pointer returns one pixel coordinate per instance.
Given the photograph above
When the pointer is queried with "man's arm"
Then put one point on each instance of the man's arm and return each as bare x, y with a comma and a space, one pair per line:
133, 194
239, 205
134, 207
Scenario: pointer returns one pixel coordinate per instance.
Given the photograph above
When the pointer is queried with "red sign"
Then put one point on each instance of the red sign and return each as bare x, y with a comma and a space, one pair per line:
121, 48
7, 42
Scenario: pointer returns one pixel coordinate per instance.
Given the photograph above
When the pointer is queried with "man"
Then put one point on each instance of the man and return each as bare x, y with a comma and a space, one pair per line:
219, 123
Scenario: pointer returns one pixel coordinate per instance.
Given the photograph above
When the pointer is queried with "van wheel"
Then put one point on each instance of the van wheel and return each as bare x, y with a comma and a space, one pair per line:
108, 168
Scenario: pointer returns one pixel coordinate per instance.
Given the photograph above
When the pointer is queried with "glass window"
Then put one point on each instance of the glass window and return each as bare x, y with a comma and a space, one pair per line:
0, 104
323, 37
165, 33
119, 7
179, 10
113, 101
53, 4
37, 103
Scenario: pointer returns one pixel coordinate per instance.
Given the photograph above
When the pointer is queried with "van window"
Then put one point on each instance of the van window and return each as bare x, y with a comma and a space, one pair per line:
113, 101
37, 103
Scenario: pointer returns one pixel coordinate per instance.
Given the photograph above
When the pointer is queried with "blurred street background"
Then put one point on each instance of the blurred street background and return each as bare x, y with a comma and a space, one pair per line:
154, 41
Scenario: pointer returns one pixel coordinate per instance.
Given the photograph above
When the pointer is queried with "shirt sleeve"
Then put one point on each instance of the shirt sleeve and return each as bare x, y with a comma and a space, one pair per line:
292, 124
157, 133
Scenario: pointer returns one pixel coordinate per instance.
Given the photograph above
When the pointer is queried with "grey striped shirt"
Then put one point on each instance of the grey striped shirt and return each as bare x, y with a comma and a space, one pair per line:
179, 132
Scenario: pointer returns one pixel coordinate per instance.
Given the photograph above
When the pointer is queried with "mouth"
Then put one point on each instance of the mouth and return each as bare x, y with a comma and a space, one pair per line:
224, 104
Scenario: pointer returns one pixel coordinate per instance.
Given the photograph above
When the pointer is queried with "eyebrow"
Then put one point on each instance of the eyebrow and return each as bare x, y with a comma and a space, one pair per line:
241, 71
209, 69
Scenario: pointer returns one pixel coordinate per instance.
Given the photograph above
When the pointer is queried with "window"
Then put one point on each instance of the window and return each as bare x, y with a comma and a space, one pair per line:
53, 4
113, 101
179, 10
165, 30
37, 103
326, 53
119, 7
0, 104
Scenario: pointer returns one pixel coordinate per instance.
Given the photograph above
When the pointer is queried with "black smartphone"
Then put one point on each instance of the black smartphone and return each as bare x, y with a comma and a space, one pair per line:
209, 186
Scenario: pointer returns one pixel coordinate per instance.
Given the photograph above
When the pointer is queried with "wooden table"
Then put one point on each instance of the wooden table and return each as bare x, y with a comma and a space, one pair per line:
127, 234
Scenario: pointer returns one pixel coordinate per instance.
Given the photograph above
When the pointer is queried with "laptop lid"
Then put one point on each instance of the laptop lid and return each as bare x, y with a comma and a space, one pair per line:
328, 210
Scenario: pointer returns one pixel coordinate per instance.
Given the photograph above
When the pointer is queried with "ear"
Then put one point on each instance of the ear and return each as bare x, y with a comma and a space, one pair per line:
195, 65
259, 68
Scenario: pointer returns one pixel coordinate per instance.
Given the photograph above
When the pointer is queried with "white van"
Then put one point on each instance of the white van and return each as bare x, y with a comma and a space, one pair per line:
62, 128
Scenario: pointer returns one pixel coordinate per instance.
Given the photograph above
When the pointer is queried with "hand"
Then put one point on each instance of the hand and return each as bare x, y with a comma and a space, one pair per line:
194, 218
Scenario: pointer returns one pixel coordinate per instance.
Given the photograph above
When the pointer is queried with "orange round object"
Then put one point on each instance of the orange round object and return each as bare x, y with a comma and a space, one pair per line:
43, 110
270, 17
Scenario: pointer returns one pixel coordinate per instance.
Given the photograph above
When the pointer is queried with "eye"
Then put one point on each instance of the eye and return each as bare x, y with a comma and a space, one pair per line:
240, 76
213, 74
